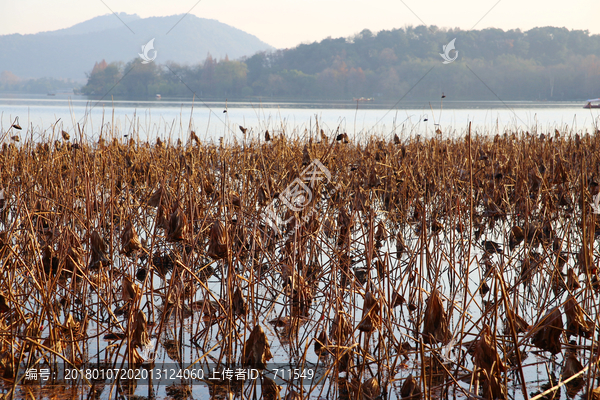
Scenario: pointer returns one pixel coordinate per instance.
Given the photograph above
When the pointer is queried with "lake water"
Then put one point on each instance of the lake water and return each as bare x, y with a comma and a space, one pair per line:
169, 118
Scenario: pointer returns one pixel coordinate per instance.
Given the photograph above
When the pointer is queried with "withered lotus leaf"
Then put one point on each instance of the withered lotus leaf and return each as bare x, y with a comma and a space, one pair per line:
270, 390
217, 243
370, 389
519, 322
435, 325
493, 387
129, 290
292, 395
571, 365
485, 354
99, 251
340, 329
547, 334
572, 280
74, 260
320, 343
410, 389
371, 319
3, 306
239, 303
577, 322
256, 349
140, 336
130, 241
160, 196
177, 226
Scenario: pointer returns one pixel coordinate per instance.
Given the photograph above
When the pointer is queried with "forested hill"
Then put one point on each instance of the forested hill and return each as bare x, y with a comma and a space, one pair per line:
540, 64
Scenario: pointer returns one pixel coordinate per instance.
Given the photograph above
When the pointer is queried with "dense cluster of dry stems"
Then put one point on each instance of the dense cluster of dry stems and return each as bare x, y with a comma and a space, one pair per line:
424, 267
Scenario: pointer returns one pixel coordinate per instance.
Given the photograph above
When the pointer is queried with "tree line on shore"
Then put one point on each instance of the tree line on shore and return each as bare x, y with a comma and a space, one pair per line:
539, 64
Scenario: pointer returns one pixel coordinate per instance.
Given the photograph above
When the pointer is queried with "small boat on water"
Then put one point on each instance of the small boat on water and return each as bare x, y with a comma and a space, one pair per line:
590, 104
158, 96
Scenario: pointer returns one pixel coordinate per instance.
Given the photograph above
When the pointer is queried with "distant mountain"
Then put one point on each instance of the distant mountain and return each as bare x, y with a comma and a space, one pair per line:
71, 52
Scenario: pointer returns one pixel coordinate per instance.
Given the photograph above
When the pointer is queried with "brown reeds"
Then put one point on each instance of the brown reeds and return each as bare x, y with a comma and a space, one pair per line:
411, 252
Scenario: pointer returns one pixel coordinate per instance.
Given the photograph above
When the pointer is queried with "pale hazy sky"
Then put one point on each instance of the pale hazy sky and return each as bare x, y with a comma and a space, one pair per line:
286, 23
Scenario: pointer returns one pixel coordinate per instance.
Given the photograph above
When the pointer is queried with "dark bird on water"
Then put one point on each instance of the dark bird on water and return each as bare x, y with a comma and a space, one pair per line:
443, 95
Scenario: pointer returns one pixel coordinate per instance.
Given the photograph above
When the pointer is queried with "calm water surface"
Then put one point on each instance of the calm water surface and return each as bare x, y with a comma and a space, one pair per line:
174, 118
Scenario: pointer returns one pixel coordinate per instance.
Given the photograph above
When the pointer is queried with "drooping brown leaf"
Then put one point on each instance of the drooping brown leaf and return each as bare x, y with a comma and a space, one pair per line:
571, 365
485, 354
49, 261
8, 364
177, 227
517, 235
435, 325
256, 349
379, 235
340, 329
572, 280
305, 156
73, 327
179, 391
585, 260
400, 246
139, 336
301, 300
345, 363
3, 234
371, 319
280, 322
410, 389
74, 260
397, 299
99, 251
547, 334
239, 303
217, 242
320, 343
3, 306
577, 322
519, 322
270, 390
493, 387
262, 196
173, 349
129, 290
293, 396
370, 389
130, 241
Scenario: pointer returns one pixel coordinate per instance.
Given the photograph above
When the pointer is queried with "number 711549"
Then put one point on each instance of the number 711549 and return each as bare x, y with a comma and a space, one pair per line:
293, 373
